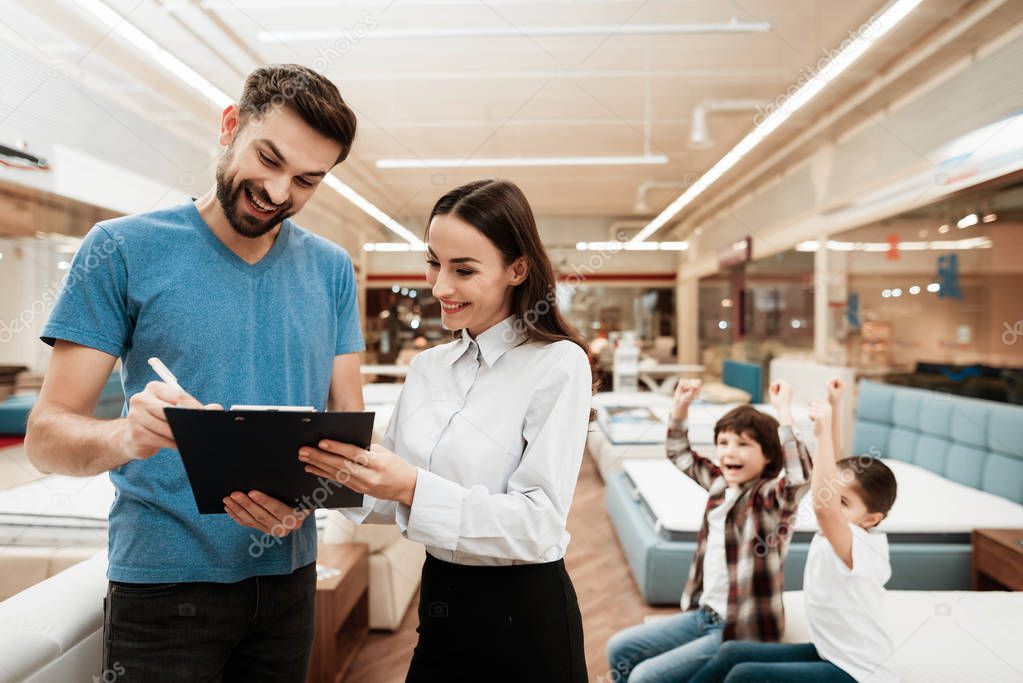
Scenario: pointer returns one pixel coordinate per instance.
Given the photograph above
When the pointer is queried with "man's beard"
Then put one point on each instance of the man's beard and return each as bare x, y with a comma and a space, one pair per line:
230, 196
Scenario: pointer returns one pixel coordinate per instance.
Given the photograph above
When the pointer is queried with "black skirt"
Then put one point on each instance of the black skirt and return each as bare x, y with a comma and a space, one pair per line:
514, 623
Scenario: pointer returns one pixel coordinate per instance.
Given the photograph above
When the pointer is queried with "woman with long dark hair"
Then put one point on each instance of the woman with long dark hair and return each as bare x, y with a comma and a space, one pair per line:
483, 451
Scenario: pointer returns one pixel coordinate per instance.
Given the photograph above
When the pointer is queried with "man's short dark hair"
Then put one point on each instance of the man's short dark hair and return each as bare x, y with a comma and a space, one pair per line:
761, 427
308, 93
874, 481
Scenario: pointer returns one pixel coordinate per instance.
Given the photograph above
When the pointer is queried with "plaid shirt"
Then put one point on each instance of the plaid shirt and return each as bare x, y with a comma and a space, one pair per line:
757, 531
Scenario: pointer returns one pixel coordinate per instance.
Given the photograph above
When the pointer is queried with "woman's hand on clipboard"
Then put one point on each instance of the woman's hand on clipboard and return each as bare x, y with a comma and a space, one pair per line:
375, 472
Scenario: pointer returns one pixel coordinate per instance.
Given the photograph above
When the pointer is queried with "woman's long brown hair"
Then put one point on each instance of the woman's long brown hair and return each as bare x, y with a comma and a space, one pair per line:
499, 210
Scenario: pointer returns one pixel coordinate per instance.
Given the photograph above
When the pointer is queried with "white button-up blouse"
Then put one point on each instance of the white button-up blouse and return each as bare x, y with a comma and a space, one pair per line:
496, 427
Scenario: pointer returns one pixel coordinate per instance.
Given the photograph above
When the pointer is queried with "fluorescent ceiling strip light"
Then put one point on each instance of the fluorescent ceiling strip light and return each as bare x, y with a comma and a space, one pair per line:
627, 246
853, 50
567, 31
333, 182
120, 25
645, 160
393, 246
581, 246
178, 5
115, 22
880, 247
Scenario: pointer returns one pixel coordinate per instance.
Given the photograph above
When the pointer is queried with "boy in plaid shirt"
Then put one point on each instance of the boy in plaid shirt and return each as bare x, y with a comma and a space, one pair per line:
735, 580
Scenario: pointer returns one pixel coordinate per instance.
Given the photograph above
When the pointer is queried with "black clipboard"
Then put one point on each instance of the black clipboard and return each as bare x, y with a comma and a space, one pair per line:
243, 450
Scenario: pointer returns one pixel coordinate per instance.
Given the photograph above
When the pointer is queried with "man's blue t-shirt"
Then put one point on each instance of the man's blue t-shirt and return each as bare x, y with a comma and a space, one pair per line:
162, 284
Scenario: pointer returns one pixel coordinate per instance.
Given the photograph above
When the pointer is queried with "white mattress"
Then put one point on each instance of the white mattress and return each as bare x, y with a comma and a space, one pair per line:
929, 507
623, 431
628, 425
56, 510
702, 418
61, 511
942, 636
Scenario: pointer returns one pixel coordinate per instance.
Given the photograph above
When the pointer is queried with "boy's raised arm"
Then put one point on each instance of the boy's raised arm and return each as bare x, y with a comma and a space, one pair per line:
796, 463
679, 451
827, 503
795, 456
835, 390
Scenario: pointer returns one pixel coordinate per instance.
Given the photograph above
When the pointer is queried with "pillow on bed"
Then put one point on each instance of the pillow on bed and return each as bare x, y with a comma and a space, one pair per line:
716, 392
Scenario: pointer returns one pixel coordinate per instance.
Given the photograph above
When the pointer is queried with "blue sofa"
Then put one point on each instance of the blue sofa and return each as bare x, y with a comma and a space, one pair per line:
974, 442
15, 409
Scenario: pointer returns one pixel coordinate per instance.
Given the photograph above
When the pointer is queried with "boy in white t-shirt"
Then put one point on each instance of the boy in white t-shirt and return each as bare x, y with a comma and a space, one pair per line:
843, 583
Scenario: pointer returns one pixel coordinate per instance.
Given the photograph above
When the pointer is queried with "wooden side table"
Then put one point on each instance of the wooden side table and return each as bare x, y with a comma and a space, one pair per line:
342, 611
997, 559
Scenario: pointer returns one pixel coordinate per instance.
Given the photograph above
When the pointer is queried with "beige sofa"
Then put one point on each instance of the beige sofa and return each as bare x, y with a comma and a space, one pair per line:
23, 567
395, 566
53, 631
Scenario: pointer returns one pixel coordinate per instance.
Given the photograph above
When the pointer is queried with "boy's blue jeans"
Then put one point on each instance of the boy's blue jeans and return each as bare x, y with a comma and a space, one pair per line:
743, 661
666, 650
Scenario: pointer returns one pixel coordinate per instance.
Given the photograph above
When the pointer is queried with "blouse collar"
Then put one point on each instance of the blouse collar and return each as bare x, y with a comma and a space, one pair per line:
493, 342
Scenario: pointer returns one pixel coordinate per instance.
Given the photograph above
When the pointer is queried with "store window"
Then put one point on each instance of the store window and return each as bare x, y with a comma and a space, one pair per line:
757, 311
934, 298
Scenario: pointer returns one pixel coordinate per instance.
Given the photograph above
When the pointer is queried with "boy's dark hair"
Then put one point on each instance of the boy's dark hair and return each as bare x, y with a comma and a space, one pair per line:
760, 427
874, 481
308, 93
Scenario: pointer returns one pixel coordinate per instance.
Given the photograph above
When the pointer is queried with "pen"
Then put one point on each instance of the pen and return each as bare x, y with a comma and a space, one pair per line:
164, 372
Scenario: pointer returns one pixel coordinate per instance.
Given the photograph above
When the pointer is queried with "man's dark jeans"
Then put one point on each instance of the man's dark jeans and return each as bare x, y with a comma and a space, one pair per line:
259, 629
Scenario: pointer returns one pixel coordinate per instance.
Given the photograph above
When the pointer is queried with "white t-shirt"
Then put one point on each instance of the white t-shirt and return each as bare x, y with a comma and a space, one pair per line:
715, 565
845, 608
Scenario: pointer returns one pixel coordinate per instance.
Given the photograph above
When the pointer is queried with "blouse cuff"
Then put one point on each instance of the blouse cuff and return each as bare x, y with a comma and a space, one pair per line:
436, 513
359, 514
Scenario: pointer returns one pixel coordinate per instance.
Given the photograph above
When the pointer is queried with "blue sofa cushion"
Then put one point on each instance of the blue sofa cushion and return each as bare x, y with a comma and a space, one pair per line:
745, 376
1003, 476
875, 403
1005, 430
871, 438
965, 464
970, 423
906, 411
